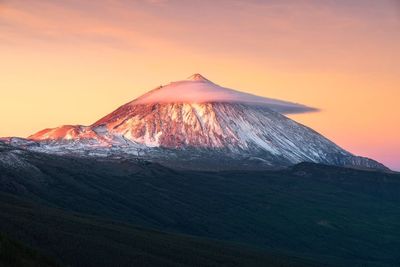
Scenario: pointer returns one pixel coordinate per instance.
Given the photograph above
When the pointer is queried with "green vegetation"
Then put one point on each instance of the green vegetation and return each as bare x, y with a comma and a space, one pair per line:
316, 213
79, 240
14, 254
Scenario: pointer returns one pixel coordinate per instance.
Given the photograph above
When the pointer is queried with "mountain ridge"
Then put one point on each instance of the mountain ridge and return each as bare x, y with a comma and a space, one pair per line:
224, 122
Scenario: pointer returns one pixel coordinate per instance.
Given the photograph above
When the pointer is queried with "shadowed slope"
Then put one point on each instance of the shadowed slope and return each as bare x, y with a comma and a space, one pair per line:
79, 240
335, 215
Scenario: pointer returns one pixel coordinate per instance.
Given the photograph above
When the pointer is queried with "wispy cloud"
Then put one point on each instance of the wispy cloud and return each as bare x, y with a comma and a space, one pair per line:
103, 23
285, 31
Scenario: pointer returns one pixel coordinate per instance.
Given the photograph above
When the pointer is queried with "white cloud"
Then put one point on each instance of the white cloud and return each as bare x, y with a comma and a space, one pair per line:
197, 89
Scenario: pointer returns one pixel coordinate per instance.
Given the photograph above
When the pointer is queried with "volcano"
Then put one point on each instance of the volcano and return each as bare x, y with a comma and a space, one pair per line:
195, 123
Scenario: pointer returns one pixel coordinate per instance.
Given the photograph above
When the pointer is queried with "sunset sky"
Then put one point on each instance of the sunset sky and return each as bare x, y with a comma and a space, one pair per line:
72, 62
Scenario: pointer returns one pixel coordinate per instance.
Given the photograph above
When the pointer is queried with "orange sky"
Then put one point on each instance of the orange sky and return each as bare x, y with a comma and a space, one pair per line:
71, 62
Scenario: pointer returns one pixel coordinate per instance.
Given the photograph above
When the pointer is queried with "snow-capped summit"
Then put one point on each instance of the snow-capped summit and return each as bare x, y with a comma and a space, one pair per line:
199, 123
198, 89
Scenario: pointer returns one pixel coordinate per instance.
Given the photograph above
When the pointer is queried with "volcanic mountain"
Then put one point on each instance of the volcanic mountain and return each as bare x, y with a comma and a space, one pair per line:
195, 123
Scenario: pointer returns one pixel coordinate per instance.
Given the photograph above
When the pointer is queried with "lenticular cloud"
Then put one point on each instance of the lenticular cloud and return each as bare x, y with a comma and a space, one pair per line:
197, 89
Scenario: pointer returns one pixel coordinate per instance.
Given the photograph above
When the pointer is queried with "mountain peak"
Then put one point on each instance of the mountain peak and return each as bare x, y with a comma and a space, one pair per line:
190, 117
198, 89
198, 77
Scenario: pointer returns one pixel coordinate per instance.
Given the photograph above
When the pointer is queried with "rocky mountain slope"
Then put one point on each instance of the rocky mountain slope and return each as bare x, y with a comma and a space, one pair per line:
198, 120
